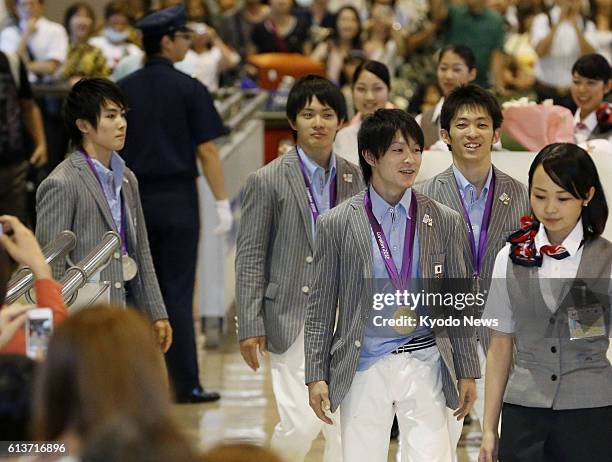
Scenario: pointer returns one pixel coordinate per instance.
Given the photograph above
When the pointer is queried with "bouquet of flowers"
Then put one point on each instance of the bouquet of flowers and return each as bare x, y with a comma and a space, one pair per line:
537, 125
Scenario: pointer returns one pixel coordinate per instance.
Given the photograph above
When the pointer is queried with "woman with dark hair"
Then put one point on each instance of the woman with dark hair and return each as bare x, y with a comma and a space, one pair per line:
345, 38
549, 301
84, 59
371, 89
456, 67
104, 372
384, 40
281, 32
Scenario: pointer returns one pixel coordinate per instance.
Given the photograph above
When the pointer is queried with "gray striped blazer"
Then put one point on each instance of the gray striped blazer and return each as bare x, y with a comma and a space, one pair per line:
274, 269
71, 198
505, 219
343, 262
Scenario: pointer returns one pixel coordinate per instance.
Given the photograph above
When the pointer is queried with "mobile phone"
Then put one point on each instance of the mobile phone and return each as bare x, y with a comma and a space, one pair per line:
39, 327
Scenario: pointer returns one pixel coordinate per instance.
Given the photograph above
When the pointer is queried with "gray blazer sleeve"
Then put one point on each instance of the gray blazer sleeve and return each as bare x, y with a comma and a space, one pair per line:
322, 304
55, 206
463, 337
251, 253
147, 293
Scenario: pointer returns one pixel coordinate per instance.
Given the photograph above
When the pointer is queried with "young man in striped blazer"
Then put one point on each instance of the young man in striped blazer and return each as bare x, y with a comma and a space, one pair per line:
490, 201
384, 239
92, 192
274, 270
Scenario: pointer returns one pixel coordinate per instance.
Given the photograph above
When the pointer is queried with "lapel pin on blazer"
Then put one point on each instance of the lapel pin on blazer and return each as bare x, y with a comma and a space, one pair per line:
437, 270
427, 220
504, 198
347, 177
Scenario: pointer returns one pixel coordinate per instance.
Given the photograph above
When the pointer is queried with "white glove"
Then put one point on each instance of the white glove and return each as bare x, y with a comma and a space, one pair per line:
224, 214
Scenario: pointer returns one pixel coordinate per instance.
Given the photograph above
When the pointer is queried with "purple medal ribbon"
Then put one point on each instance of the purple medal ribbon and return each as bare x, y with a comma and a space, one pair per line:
122, 226
311, 201
478, 254
399, 280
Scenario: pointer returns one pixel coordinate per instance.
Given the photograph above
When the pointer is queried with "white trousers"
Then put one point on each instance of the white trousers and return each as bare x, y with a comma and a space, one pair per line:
298, 425
408, 385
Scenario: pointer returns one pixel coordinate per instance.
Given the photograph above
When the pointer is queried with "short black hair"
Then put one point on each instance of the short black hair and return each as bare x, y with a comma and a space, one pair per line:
592, 66
151, 44
573, 169
309, 86
375, 67
86, 101
16, 384
463, 51
472, 96
377, 132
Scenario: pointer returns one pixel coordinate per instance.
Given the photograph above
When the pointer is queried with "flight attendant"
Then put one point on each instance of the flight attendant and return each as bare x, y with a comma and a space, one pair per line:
550, 301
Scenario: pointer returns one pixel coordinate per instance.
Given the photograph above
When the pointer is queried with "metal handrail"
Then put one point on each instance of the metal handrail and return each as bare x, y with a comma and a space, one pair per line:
247, 110
23, 279
224, 106
76, 276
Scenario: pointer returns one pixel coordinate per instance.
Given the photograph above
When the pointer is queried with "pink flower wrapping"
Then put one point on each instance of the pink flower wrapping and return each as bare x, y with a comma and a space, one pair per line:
538, 125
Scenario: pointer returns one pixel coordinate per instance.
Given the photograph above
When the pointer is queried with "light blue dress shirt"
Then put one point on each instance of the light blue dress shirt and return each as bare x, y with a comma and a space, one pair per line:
319, 182
380, 341
475, 206
111, 184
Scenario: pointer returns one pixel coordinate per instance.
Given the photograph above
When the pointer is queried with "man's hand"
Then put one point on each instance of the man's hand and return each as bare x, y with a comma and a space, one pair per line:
248, 350
318, 394
21, 244
39, 156
488, 447
12, 317
467, 397
163, 331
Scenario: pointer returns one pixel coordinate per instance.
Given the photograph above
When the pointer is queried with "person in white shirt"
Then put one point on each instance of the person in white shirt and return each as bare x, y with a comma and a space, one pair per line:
590, 85
556, 398
209, 56
560, 37
41, 44
456, 67
371, 88
115, 41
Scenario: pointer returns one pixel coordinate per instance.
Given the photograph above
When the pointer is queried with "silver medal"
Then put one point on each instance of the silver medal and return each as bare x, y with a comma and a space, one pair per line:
130, 268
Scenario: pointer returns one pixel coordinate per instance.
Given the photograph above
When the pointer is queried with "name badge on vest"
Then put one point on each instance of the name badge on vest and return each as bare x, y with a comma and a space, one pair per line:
587, 322
130, 268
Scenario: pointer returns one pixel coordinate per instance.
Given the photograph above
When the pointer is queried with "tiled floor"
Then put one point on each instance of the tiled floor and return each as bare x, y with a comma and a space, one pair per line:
247, 410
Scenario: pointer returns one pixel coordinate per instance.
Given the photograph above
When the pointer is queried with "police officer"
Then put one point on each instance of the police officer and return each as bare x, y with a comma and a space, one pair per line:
172, 123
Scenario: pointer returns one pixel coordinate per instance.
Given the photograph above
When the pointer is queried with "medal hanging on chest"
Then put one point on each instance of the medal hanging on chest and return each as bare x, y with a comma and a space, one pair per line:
128, 264
405, 317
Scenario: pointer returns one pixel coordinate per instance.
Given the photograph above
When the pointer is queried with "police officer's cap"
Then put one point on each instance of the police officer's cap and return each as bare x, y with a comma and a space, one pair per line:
164, 21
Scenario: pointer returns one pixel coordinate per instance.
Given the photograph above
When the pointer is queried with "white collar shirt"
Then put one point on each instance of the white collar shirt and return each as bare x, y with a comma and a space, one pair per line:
584, 128
48, 42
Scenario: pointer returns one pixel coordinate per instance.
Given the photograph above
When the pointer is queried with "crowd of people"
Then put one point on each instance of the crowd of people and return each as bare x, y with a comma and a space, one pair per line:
325, 228
524, 46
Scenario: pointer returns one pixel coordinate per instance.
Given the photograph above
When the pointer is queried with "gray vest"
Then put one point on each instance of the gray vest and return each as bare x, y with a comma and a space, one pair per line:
552, 371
